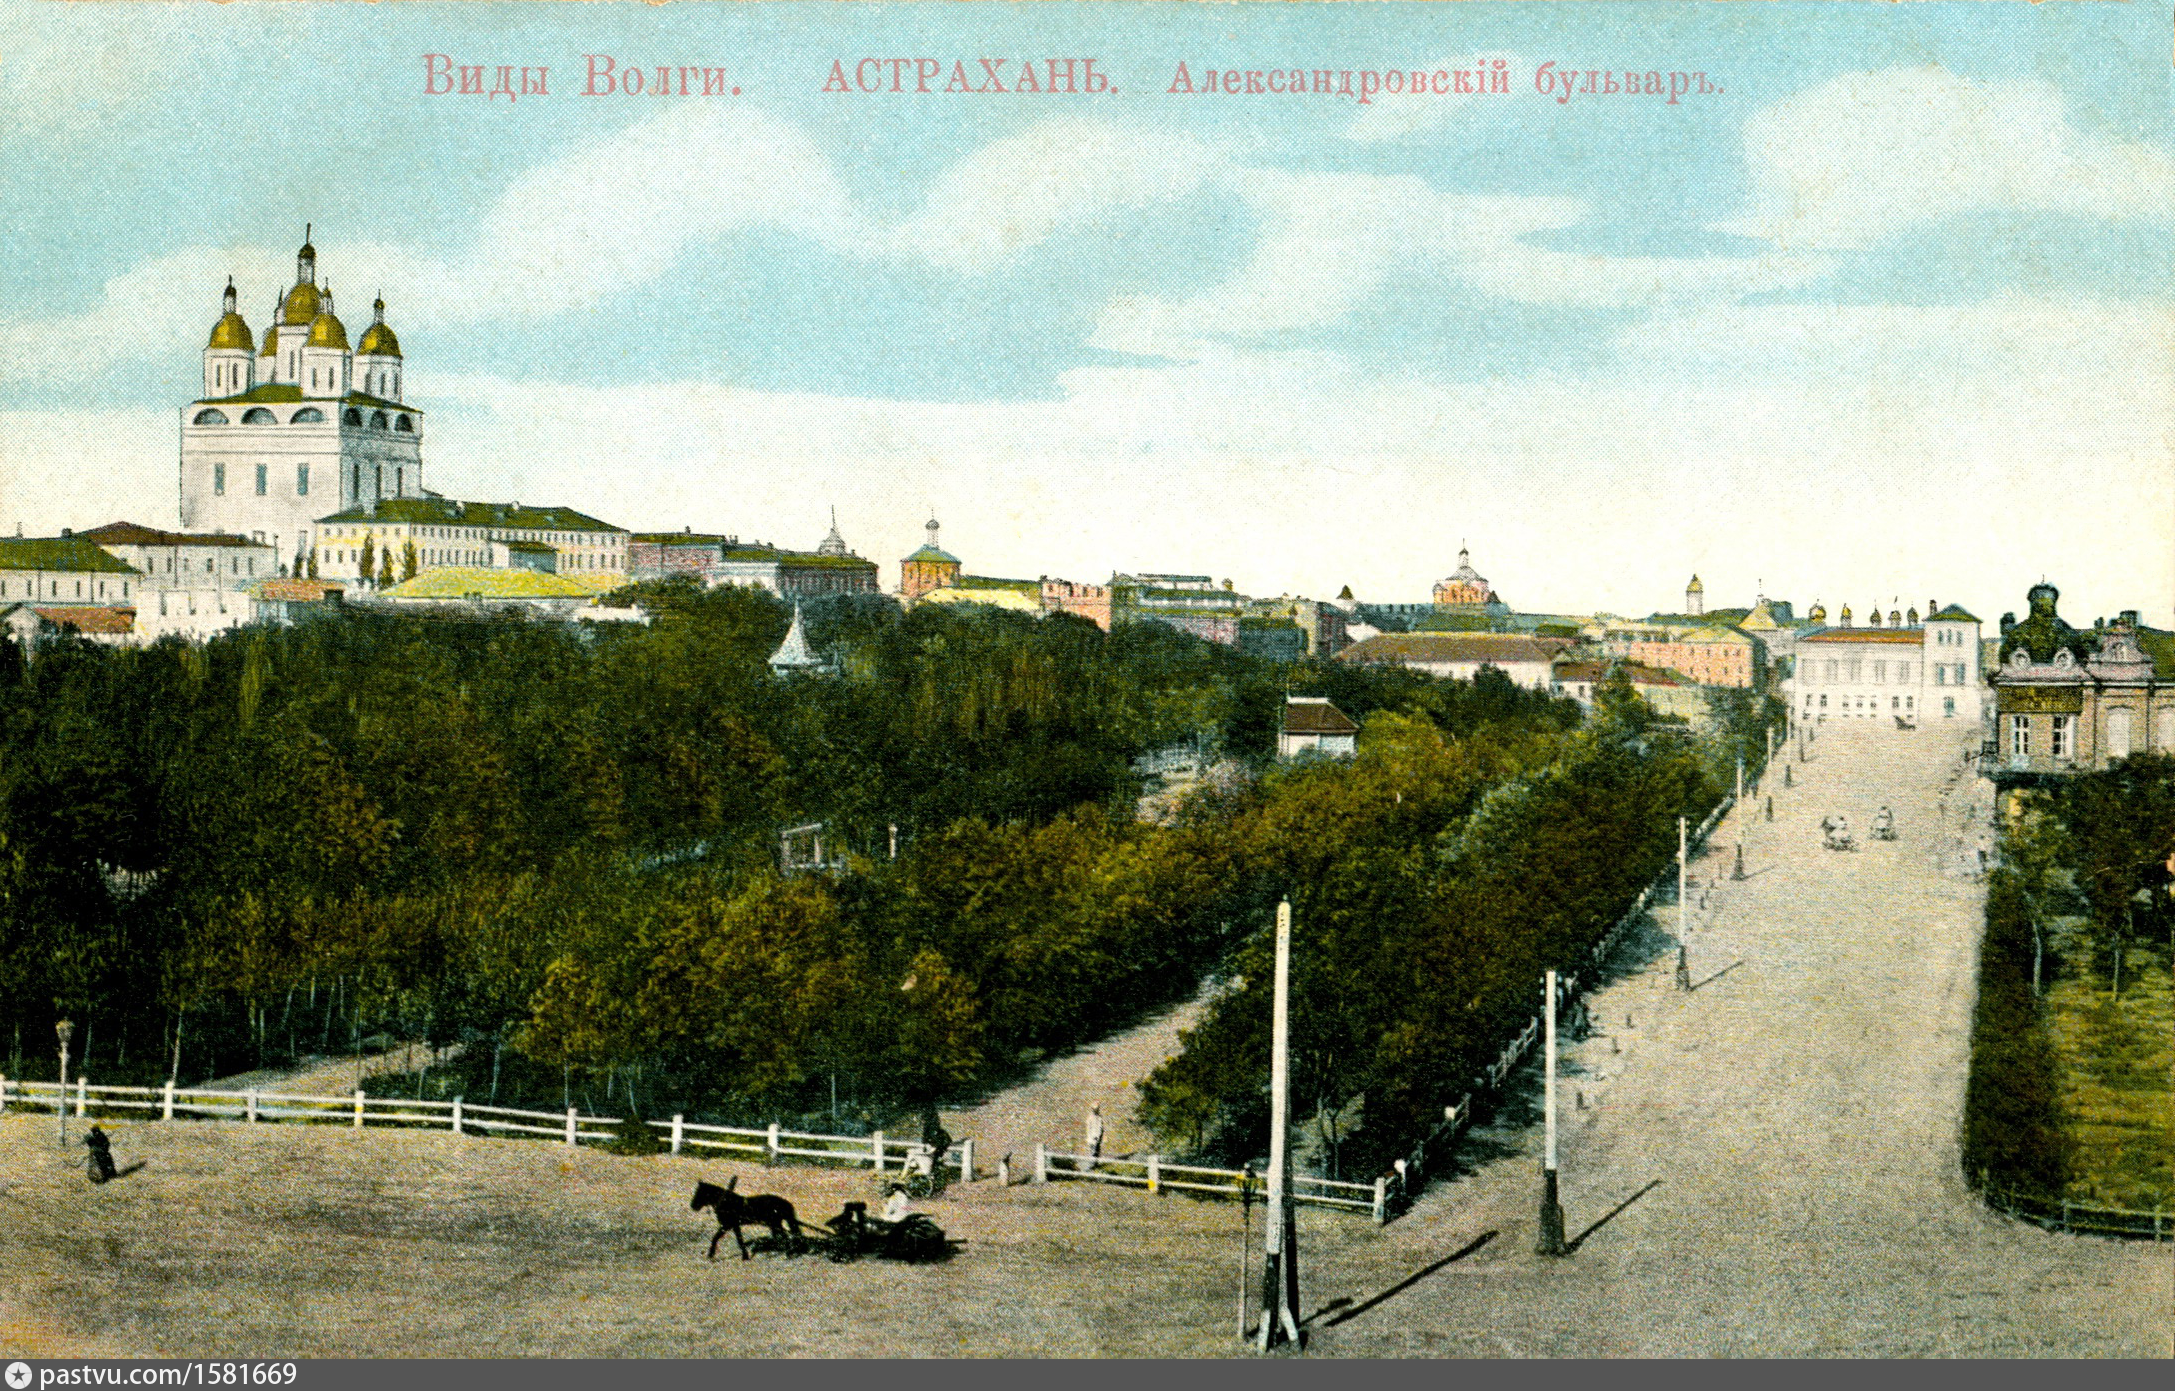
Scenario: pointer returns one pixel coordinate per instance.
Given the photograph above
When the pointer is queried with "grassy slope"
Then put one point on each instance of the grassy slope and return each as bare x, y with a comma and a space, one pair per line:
2117, 1061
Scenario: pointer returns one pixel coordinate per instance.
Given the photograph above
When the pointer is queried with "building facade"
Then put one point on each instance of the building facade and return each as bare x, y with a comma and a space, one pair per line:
298, 425
1712, 656
64, 569
931, 567
1312, 724
446, 532
1527, 661
1899, 668
2068, 700
183, 560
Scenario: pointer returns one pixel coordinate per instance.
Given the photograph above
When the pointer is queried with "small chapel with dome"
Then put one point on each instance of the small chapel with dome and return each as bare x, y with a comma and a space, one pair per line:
297, 425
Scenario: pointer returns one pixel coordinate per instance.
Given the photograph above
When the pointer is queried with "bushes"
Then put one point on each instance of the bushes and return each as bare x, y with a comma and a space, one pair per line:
2014, 1138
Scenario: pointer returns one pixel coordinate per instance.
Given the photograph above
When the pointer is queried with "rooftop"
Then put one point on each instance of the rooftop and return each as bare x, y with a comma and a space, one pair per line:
87, 618
131, 534
1315, 715
1914, 637
297, 591
61, 553
1495, 648
445, 511
477, 582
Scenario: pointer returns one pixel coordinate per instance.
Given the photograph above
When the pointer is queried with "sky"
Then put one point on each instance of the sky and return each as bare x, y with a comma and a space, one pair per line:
1884, 318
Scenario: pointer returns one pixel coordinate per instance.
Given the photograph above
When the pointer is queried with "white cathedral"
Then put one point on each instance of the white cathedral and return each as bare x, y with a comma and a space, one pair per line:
299, 427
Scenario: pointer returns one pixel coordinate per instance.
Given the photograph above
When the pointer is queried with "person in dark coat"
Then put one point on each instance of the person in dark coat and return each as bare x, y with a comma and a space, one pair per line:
101, 1162
938, 1140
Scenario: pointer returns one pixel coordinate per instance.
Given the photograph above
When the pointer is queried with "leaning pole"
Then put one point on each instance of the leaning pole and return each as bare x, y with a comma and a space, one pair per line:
1280, 1272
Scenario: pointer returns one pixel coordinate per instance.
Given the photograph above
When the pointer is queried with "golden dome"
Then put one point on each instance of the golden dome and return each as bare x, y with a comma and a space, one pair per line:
326, 331
271, 340
380, 340
230, 332
301, 305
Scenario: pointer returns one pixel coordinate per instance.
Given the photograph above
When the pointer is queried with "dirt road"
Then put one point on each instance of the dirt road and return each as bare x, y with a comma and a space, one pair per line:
1786, 1135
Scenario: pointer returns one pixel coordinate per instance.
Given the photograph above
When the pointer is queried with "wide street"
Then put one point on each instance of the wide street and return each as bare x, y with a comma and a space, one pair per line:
1797, 1117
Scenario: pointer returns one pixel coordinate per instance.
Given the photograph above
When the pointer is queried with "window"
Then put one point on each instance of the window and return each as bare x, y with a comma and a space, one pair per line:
377, 420
308, 415
258, 415
1903, 673
1895, 702
302, 480
261, 477
2118, 732
2164, 736
1880, 672
1948, 707
219, 480
211, 418
351, 417
1940, 674
402, 424
2062, 744
1832, 666
1823, 702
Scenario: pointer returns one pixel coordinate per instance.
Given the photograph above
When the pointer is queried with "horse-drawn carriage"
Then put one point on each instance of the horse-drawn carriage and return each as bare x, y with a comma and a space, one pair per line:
847, 1237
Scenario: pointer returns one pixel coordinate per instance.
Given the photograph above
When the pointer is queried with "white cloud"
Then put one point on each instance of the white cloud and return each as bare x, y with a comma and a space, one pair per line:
1065, 173
1867, 154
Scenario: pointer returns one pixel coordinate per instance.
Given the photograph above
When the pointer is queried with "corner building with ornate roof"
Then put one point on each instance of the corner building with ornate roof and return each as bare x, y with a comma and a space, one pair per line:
297, 425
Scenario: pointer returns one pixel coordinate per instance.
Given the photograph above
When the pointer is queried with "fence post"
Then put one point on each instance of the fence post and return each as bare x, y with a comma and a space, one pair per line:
570, 1113
358, 1108
1381, 1201
679, 1127
83, 1085
456, 1115
966, 1161
770, 1147
249, 1103
1042, 1163
3, 1093
166, 1104
2065, 1214
1155, 1173
876, 1146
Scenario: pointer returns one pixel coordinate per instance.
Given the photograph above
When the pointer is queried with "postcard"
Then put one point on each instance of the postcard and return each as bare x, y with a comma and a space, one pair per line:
1084, 680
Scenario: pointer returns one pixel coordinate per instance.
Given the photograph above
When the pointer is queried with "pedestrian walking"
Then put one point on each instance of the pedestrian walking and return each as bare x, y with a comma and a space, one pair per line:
1094, 1146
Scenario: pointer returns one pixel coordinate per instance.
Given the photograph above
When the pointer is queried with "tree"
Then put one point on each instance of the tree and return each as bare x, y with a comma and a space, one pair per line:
385, 569
313, 562
369, 559
408, 560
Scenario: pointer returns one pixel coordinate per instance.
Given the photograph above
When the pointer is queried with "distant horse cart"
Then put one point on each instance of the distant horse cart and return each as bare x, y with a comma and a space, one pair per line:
847, 1237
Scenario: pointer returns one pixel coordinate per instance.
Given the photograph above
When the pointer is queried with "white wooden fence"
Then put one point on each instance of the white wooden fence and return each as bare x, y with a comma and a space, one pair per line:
679, 1135
1155, 1174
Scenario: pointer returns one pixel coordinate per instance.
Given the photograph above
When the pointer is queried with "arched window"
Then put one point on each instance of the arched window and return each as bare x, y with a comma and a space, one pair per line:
308, 415
403, 424
258, 415
377, 420
352, 417
210, 418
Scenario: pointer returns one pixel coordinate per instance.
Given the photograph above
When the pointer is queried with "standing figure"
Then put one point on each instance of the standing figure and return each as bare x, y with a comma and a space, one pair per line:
895, 1204
1094, 1145
101, 1159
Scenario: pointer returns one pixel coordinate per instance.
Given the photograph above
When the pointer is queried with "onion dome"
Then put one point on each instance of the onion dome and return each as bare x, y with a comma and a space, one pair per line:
326, 330
378, 338
1846, 615
231, 331
1819, 613
302, 304
1695, 587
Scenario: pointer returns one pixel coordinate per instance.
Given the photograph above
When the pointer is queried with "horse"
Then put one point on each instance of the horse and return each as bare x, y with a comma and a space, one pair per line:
732, 1210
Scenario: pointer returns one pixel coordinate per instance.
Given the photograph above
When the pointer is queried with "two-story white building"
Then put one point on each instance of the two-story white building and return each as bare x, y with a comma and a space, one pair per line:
1898, 667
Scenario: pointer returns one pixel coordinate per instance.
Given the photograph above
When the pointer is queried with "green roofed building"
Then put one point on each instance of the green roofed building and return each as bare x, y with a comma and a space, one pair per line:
446, 532
555, 595
63, 569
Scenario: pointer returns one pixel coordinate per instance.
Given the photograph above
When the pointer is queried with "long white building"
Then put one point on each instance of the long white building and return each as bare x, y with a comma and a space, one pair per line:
1902, 667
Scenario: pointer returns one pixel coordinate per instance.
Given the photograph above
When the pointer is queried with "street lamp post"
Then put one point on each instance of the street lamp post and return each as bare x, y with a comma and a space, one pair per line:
1684, 963
65, 1030
1551, 1238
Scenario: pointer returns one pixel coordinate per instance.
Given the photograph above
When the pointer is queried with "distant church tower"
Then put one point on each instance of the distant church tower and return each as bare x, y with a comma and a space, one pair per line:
301, 427
1695, 598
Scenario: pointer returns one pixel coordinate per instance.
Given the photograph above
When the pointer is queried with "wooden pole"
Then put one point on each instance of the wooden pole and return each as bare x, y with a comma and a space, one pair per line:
1246, 1239
1551, 1239
1684, 964
1280, 1272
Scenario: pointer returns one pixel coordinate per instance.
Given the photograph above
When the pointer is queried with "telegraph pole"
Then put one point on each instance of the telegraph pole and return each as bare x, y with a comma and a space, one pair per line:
1737, 814
1280, 1272
1684, 964
1551, 1242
